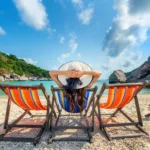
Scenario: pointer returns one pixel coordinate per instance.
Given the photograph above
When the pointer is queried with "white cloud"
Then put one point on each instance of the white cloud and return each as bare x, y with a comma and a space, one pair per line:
136, 56
86, 15
125, 61
63, 57
30, 61
129, 28
32, 13
73, 45
79, 3
62, 40
2, 31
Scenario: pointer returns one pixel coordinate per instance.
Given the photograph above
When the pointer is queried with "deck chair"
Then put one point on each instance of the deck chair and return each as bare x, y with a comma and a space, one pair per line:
120, 95
60, 101
27, 98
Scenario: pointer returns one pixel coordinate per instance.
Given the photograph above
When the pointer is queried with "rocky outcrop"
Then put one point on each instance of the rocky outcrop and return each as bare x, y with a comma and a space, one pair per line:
24, 78
15, 77
118, 76
140, 74
2, 79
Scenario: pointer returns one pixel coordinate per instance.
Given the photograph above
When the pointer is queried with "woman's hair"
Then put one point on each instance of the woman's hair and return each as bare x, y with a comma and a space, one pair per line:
75, 97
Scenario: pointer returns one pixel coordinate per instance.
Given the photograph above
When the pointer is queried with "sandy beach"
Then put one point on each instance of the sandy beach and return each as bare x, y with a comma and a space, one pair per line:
99, 142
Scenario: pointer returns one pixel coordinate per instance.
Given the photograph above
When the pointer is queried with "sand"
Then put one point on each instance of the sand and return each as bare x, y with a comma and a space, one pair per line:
99, 142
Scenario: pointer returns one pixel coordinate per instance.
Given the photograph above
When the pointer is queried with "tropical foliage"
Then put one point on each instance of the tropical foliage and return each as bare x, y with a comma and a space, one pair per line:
12, 64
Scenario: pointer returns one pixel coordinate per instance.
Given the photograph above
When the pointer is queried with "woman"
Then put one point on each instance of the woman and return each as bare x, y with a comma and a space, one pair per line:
74, 77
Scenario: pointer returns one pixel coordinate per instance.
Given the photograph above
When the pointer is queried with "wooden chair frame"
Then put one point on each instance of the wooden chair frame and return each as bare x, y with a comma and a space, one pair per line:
137, 124
148, 86
55, 127
8, 126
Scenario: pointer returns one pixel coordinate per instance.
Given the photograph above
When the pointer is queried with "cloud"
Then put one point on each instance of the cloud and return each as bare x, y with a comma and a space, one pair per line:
2, 31
62, 40
32, 13
86, 15
125, 61
79, 3
136, 56
30, 61
129, 27
73, 45
63, 57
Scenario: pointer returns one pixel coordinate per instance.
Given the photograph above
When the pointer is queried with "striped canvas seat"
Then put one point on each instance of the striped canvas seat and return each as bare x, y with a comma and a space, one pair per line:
118, 97
65, 104
26, 98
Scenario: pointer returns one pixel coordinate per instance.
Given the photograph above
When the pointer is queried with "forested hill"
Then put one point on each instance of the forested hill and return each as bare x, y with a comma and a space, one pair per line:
11, 64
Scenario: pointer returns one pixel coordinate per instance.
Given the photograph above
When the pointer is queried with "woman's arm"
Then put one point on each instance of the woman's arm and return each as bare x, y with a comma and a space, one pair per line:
54, 75
95, 74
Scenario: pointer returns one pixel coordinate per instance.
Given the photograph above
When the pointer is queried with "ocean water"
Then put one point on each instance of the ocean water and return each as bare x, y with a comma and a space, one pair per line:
48, 84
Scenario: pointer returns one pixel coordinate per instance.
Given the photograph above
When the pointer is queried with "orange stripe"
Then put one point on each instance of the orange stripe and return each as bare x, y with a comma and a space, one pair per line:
111, 97
129, 96
17, 98
27, 99
119, 96
37, 100
10, 96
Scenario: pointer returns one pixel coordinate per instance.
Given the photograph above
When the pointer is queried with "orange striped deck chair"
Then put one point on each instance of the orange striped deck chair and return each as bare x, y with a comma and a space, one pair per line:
120, 95
27, 98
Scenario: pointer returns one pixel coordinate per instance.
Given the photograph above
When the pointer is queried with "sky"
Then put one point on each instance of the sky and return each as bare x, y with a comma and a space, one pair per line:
106, 34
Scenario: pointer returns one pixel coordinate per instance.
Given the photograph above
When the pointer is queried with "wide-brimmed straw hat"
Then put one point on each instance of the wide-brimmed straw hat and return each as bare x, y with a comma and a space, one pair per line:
86, 79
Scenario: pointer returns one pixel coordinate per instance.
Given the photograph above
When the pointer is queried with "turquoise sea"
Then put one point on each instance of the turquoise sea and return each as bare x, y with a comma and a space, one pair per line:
48, 84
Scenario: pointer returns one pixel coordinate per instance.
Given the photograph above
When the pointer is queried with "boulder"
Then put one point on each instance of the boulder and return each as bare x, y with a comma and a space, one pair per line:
24, 78
2, 79
14, 76
6, 76
118, 76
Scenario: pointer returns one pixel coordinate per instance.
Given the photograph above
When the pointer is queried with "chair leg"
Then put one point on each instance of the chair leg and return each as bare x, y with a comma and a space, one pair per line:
99, 117
106, 133
38, 137
138, 111
7, 114
93, 116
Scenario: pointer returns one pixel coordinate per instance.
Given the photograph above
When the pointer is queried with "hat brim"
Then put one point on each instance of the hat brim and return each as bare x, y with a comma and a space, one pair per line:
86, 79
